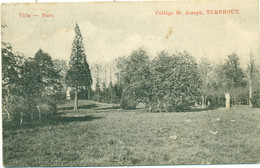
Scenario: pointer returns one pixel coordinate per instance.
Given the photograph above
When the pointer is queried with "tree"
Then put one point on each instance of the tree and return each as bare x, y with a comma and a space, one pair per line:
175, 81
167, 83
78, 74
233, 72
217, 85
11, 68
39, 76
61, 67
50, 77
11, 88
136, 79
253, 78
95, 69
235, 78
40, 81
161, 68
206, 72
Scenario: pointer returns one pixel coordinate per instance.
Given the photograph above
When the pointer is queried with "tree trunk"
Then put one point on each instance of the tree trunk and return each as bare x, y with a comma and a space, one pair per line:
250, 93
202, 102
159, 105
88, 93
122, 97
76, 100
39, 110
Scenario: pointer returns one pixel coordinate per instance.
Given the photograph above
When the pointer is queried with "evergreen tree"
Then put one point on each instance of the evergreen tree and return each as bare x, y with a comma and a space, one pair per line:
78, 74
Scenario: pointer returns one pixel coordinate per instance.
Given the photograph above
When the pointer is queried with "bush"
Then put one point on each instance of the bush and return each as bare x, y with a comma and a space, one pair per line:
19, 109
128, 103
58, 98
216, 102
256, 99
46, 109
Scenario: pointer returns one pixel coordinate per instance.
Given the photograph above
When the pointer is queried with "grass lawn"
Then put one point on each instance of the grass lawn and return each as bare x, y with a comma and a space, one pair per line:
94, 137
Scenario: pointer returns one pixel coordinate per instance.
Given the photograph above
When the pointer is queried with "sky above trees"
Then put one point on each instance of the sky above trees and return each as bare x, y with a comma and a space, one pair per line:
111, 30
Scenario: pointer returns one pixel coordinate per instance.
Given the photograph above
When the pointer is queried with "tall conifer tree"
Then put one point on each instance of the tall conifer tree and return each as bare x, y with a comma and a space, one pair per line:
78, 74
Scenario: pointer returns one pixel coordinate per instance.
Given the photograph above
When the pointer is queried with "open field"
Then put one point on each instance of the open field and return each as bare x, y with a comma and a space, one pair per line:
95, 137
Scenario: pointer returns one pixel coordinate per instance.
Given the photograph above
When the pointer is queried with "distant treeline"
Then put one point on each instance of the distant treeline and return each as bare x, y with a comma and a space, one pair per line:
176, 82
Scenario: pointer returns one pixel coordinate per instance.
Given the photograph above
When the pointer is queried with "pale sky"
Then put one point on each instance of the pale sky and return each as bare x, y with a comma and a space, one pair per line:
115, 29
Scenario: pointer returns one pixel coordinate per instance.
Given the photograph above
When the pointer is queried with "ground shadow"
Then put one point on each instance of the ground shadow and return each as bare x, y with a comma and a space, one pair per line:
89, 106
9, 126
108, 108
185, 110
200, 109
76, 119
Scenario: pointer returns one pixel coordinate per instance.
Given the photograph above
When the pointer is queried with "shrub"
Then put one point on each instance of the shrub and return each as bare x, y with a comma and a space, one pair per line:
46, 109
127, 103
19, 109
256, 99
59, 98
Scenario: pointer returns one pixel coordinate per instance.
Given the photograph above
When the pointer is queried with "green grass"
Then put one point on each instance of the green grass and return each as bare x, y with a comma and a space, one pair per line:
117, 137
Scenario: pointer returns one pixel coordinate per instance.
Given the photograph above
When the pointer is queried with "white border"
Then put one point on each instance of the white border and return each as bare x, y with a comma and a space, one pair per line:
177, 166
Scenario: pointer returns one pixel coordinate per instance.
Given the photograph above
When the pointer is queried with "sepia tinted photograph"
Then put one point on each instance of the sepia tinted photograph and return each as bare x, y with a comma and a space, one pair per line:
130, 83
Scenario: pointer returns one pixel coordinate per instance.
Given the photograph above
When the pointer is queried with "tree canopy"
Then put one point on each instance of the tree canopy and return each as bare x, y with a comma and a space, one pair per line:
78, 74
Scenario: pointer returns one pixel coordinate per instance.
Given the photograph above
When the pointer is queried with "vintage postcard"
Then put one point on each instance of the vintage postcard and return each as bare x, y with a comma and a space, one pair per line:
130, 83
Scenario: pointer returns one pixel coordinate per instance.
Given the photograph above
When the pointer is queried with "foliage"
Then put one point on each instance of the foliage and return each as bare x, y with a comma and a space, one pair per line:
175, 81
137, 75
136, 79
24, 81
235, 78
206, 72
256, 99
61, 67
167, 83
220, 78
39, 77
96, 70
11, 67
78, 73
233, 72
216, 86
20, 109
253, 77
46, 109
